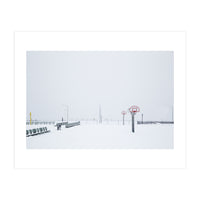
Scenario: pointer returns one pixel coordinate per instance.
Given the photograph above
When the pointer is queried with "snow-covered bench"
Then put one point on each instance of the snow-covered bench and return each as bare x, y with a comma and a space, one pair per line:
72, 124
36, 131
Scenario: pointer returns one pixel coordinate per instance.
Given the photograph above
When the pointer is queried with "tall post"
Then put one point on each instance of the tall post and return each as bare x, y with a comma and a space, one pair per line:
67, 113
30, 119
100, 117
123, 113
133, 122
142, 118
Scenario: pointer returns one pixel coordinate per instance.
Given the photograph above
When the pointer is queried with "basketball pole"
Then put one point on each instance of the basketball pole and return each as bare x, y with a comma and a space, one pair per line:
133, 121
133, 110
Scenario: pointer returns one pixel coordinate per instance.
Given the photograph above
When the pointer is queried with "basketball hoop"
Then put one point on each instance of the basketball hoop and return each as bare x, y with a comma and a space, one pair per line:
134, 109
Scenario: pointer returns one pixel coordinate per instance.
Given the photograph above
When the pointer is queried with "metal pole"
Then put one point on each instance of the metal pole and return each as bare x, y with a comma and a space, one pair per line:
123, 119
142, 118
133, 121
100, 116
67, 113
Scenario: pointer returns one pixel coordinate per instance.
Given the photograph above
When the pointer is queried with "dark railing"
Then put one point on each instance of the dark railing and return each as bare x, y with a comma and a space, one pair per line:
155, 122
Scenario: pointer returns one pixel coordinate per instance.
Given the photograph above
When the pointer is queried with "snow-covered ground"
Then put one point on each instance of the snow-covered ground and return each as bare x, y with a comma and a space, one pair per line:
95, 136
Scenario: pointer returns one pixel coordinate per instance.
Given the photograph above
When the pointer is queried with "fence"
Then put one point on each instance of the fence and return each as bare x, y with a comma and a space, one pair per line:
39, 122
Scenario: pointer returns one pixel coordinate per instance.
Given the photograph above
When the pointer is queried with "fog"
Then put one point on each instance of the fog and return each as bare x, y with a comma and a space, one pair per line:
84, 80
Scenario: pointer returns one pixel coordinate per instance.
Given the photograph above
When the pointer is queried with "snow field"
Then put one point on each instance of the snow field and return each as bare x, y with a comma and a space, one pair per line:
101, 136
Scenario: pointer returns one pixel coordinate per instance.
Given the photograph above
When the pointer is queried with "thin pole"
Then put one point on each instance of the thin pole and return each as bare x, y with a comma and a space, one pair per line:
30, 119
100, 116
67, 113
133, 121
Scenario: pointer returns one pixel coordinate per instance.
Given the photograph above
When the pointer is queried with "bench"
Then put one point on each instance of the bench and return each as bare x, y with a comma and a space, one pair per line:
36, 131
69, 125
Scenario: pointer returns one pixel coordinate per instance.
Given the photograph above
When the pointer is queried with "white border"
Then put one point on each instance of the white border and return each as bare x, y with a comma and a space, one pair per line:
100, 41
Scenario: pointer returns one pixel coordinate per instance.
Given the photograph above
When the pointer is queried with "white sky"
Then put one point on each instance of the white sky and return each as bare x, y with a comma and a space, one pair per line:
84, 80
